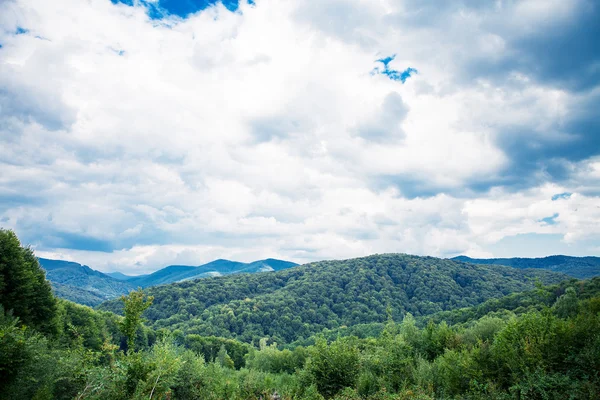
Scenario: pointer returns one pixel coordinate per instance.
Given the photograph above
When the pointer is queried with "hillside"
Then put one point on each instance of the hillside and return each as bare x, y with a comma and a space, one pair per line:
517, 303
81, 284
539, 344
119, 275
298, 302
176, 273
578, 267
77, 295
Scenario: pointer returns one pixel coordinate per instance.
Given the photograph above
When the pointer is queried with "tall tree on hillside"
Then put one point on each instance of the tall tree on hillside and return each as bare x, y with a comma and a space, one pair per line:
134, 304
24, 289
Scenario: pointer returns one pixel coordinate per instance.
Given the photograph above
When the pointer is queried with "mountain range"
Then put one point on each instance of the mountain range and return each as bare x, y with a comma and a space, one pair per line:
295, 303
84, 285
87, 286
578, 267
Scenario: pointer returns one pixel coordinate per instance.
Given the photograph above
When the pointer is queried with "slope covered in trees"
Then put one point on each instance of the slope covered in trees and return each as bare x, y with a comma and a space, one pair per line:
177, 273
578, 267
299, 302
83, 285
541, 344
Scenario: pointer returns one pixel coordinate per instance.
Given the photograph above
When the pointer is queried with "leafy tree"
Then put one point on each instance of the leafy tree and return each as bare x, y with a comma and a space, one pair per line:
134, 304
335, 366
567, 304
223, 358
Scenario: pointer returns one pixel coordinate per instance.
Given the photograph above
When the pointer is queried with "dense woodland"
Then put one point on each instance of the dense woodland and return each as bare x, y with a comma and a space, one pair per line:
578, 267
543, 343
297, 303
81, 284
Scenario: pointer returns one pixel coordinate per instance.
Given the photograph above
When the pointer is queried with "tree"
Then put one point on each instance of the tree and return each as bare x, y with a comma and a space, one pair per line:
134, 304
223, 358
23, 285
567, 305
334, 367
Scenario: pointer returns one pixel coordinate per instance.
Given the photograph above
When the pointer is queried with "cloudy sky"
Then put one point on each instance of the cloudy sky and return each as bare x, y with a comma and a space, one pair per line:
136, 134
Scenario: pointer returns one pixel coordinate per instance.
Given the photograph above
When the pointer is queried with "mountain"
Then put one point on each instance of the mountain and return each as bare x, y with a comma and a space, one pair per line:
177, 273
295, 303
119, 275
578, 267
77, 295
81, 284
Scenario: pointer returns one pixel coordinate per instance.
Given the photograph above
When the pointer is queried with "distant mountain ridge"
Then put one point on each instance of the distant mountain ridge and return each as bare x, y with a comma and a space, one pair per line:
578, 267
84, 285
299, 302
178, 273
119, 275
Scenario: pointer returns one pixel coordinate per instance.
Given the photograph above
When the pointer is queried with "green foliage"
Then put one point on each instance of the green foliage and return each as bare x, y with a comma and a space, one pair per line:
209, 347
567, 304
271, 359
77, 295
335, 366
134, 304
535, 355
520, 303
16, 347
578, 267
543, 344
81, 284
23, 286
294, 304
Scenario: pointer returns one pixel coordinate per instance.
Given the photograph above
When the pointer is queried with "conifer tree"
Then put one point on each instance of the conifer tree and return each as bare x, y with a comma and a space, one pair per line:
24, 290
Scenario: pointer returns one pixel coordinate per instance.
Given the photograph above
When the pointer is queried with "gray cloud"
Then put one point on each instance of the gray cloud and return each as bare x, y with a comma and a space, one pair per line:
30, 103
385, 125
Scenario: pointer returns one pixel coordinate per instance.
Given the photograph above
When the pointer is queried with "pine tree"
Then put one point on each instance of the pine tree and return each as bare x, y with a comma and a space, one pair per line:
24, 290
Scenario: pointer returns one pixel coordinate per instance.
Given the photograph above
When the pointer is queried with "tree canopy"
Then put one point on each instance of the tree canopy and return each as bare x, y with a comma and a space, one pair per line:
24, 291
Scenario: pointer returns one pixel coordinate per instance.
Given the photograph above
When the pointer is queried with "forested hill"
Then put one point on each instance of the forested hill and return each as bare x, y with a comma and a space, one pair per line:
298, 302
578, 267
82, 284
177, 273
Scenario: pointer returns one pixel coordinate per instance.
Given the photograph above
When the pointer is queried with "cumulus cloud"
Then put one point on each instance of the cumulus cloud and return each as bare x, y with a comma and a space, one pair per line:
139, 134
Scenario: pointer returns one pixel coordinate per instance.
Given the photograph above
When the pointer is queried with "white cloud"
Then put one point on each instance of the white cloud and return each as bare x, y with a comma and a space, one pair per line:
262, 134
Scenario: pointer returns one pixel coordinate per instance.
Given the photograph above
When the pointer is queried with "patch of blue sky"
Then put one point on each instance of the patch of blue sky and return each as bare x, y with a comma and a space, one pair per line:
180, 8
119, 52
560, 196
21, 31
550, 220
393, 74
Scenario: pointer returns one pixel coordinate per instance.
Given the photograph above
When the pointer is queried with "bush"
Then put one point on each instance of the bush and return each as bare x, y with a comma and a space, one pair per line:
334, 367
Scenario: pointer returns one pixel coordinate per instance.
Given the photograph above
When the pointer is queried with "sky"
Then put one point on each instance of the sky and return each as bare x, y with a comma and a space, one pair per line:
137, 134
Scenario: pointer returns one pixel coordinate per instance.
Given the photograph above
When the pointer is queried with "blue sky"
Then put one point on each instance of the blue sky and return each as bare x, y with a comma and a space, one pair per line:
136, 134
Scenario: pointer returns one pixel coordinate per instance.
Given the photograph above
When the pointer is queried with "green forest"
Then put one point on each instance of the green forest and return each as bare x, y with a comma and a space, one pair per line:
297, 303
380, 327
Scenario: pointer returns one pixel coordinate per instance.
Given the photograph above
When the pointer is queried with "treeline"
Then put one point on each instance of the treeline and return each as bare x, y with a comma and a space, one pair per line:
295, 304
549, 354
578, 267
546, 347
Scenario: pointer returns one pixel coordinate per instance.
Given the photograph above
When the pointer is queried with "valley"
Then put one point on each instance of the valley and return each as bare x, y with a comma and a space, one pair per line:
382, 327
